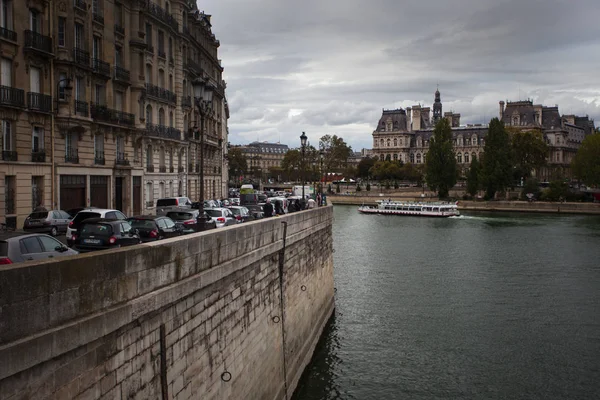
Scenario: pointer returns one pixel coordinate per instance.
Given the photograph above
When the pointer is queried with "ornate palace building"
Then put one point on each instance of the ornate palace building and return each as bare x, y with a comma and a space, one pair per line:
96, 105
264, 156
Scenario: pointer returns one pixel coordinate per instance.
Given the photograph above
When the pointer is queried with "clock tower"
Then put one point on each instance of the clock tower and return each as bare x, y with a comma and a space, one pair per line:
437, 107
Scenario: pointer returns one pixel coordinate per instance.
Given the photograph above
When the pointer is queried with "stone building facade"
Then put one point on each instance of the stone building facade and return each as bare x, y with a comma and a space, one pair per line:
262, 157
96, 105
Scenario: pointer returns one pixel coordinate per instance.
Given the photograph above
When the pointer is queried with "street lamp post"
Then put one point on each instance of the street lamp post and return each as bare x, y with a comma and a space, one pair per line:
321, 157
303, 138
203, 98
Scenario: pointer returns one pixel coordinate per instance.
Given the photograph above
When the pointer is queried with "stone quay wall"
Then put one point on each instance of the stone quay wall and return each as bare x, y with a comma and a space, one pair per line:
232, 313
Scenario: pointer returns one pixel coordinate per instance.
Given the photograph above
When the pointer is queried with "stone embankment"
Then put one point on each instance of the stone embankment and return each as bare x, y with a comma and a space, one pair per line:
232, 313
517, 206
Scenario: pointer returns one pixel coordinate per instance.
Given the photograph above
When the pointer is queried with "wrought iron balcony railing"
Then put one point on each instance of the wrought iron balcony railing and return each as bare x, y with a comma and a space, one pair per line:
162, 54
171, 169
193, 66
10, 96
180, 169
122, 159
39, 102
38, 156
150, 49
101, 67
120, 30
72, 155
186, 101
150, 168
160, 93
8, 34
163, 131
162, 168
98, 16
160, 14
105, 114
9, 155
99, 157
81, 4
81, 107
121, 74
81, 57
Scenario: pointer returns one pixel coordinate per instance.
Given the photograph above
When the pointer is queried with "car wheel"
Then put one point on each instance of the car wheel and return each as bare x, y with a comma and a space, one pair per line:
53, 231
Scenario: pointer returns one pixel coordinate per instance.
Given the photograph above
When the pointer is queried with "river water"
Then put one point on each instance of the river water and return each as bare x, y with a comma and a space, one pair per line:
482, 306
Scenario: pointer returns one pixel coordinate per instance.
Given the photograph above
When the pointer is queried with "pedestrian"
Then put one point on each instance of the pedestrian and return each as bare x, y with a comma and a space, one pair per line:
292, 207
268, 209
279, 208
299, 205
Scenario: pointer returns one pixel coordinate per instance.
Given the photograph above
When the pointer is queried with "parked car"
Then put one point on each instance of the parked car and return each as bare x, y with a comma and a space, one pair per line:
52, 222
73, 211
256, 210
187, 220
234, 201
241, 213
221, 216
151, 228
102, 234
88, 213
163, 206
30, 247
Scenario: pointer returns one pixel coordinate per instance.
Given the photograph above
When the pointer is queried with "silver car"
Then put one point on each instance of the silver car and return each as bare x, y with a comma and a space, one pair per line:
221, 216
36, 246
52, 222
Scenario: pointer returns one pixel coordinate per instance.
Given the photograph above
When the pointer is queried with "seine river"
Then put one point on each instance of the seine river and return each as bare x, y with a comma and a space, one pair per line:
482, 306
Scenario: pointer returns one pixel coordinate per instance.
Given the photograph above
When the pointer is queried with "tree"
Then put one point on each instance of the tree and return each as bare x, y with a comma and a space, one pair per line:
364, 166
237, 163
473, 177
586, 164
336, 153
497, 165
529, 152
291, 163
440, 162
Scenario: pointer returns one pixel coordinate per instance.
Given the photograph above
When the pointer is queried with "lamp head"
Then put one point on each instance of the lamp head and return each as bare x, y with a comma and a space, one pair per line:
303, 139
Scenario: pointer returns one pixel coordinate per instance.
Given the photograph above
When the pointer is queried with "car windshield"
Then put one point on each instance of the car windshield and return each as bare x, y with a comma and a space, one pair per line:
142, 223
214, 213
39, 215
166, 202
82, 216
97, 229
3, 249
236, 211
180, 216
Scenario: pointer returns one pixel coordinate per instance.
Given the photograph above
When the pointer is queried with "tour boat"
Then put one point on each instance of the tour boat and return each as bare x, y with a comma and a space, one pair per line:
422, 209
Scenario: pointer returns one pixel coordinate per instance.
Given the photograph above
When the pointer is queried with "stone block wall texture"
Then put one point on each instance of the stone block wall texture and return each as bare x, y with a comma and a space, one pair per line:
185, 318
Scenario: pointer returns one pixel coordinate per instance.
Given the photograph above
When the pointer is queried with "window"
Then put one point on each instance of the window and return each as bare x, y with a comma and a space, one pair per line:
35, 21
161, 78
466, 158
118, 14
149, 161
118, 56
418, 158
99, 146
412, 158
120, 147
6, 19
162, 158
37, 140
171, 119
6, 72
79, 36
149, 193
62, 83
30, 245
161, 43
62, 25
118, 99
148, 114
459, 158
49, 244
161, 116
149, 35
170, 48
7, 138
35, 76
70, 143
148, 73
96, 51
395, 142
99, 94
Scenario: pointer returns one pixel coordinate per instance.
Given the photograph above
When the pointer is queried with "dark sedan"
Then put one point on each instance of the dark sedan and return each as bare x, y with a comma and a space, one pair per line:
188, 220
102, 234
152, 228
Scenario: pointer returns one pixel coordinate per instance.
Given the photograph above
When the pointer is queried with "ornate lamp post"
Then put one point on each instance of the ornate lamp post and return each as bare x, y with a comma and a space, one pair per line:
303, 139
203, 100
321, 158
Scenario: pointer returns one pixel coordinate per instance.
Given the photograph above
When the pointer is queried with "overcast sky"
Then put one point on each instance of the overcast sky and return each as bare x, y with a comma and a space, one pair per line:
330, 66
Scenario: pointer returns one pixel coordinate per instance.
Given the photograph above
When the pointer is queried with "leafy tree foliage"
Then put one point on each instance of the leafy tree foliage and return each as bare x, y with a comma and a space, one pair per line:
364, 166
529, 152
586, 164
237, 163
497, 165
336, 153
440, 163
531, 186
473, 184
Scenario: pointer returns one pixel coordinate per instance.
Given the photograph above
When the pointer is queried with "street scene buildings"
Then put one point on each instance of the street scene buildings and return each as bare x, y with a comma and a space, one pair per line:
404, 134
97, 105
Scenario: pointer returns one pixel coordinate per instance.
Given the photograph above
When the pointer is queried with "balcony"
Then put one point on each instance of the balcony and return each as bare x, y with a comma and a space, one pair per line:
105, 114
72, 155
81, 108
99, 158
171, 169
8, 34
122, 75
160, 93
81, 57
13, 97
160, 14
186, 101
150, 168
162, 168
80, 4
193, 67
122, 159
163, 131
150, 49
98, 17
119, 30
38, 156
9, 155
162, 54
39, 102
180, 169
101, 68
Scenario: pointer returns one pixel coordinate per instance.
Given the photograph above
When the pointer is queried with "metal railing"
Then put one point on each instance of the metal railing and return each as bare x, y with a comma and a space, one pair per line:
186, 101
99, 157
119, 29
160, 93
160, 14
98, 16
162, 54
192, 66
105, 114
121, 74
36, 41
9, 155
81, 57
122, 159
8, 34
72, 155
39, 102
11, 96
101, 67
150, 168
162, 168
38, 156
162, 131
81, 107
180, 169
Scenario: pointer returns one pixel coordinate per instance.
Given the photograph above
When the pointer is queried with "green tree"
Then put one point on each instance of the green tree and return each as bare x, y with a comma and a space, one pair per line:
237, 163
473, 177
497, 165
529, 152
531, 186
364, 166
336, 153
586, 164
440, 162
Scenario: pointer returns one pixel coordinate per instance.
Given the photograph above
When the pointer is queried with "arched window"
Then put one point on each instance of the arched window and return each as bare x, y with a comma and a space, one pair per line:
395, 142
389, 143
148, 114
149, 157
474, 140
161, 190
388, 157
381, 142
171, 119
161, 116
161, 78
395, 157
149, 193
171, 158
459, 158
459, 141
412, 158
381, 157
162, 157
400, 141
419, 158
148, 73
466, 158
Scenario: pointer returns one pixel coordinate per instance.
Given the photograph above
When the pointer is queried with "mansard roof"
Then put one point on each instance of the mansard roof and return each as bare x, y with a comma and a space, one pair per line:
397, 117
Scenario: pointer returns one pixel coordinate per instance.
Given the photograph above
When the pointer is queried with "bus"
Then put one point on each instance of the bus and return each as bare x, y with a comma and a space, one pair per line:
248, 195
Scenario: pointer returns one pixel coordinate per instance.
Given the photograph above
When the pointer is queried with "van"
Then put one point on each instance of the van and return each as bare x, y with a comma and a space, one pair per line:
163, 206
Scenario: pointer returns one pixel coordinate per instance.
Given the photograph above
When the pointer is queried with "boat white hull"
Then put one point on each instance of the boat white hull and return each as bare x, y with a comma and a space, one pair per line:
441, 214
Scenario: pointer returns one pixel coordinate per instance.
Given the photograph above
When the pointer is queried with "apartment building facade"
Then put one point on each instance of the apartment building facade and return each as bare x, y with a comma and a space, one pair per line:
96, 105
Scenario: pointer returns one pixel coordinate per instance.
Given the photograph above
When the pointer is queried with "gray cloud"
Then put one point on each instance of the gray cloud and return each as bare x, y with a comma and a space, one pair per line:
330, 66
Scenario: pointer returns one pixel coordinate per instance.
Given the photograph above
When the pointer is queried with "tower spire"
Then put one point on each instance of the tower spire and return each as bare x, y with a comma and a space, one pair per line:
437, 106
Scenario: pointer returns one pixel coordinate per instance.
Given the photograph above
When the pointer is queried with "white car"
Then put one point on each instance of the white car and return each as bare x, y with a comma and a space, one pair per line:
221, 216
87, 213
